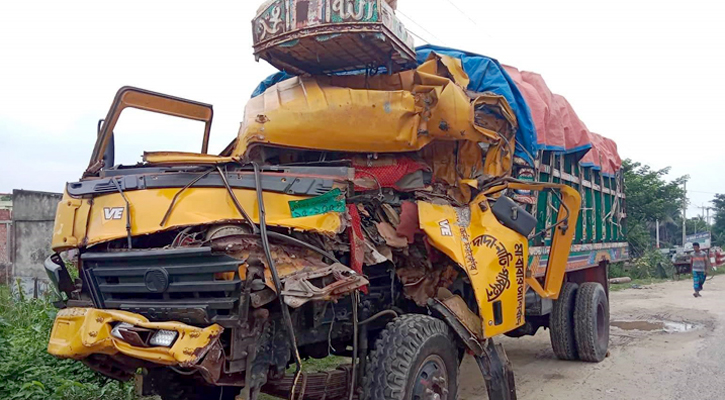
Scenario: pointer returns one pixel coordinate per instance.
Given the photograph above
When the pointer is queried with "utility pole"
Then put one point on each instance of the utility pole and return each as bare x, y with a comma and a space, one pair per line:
684, 218
706, 216
658, 233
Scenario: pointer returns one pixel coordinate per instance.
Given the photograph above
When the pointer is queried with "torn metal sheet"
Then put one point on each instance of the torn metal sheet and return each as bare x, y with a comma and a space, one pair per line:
298, 288
392, 216
374, 256
310, 113
458, 306
288, 259
409, 224
421, 284
391, 236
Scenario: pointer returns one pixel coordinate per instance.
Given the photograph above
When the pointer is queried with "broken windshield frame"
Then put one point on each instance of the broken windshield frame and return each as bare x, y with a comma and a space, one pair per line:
130, 97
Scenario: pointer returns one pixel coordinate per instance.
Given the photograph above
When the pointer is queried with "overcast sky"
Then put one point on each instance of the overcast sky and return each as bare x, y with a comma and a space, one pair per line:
648, 74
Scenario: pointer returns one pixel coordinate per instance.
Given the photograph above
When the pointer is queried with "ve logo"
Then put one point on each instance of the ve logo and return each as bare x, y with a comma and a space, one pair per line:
112, 213
445, 228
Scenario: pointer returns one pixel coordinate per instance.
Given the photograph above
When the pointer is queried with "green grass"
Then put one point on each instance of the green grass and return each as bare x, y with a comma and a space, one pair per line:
328, 363
28, 372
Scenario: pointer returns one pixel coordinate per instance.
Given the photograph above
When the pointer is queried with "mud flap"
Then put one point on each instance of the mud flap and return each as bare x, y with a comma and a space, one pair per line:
497, 372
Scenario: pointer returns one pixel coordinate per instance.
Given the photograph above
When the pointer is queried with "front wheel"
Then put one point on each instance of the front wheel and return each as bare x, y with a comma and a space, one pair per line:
415, 358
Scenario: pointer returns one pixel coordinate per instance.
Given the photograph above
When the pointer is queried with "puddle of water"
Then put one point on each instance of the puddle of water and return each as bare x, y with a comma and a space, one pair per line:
677, 327
638, 325
648, 326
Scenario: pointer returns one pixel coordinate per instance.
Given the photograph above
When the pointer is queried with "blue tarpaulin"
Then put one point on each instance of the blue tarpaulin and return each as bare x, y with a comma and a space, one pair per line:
271, 80
486, 75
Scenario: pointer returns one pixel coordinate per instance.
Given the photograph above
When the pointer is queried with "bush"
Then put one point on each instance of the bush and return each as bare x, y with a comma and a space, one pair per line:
617, 270
652, 264
28, 372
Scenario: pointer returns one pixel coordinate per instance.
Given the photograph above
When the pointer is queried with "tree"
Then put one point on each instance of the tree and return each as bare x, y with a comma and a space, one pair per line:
649, 198
696, 224
718, 227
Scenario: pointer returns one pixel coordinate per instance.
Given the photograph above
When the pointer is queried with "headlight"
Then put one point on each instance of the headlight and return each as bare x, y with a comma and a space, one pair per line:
163, 338
142, 337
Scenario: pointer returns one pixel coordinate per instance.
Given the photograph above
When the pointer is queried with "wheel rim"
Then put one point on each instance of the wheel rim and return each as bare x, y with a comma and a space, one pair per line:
601, 325
431, 380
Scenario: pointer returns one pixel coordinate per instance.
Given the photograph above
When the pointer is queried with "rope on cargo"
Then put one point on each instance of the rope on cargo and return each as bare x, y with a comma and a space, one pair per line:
273, 269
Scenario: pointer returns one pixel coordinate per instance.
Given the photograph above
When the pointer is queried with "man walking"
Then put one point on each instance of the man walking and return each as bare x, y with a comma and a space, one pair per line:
700, 262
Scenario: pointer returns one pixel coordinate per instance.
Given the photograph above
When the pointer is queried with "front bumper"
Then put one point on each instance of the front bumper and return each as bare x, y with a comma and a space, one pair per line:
79, 332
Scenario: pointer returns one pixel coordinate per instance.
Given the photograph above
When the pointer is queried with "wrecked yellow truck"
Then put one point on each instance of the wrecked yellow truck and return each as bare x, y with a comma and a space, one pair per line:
391, 218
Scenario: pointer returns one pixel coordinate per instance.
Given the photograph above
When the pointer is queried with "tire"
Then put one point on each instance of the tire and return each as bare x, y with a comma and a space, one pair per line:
561, 323
413, 353
591, 322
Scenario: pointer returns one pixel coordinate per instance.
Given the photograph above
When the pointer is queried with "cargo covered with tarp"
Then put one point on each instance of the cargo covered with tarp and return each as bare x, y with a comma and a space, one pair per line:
570, 153
559, 129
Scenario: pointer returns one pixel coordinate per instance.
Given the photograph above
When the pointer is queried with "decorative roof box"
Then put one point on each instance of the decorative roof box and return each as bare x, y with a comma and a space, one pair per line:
331, 36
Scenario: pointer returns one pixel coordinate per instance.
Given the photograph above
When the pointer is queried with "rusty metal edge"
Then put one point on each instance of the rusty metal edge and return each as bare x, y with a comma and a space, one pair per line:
468, 338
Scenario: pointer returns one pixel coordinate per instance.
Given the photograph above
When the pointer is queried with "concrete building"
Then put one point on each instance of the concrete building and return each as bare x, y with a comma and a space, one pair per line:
26, 228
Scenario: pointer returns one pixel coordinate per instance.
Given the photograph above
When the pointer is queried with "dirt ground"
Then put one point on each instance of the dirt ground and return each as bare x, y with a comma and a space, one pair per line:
664, 344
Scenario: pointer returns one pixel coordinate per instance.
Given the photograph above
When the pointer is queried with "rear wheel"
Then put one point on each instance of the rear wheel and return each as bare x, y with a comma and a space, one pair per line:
415, 358
591, 322
561, 323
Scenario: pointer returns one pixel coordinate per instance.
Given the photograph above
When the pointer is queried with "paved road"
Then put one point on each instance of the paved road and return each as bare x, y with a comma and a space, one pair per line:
684, 360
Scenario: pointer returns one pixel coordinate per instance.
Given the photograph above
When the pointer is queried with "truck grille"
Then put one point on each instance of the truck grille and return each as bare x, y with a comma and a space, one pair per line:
176, 284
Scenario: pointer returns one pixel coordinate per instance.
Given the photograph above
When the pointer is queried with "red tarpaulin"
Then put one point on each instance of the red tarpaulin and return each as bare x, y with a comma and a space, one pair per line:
559, 129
